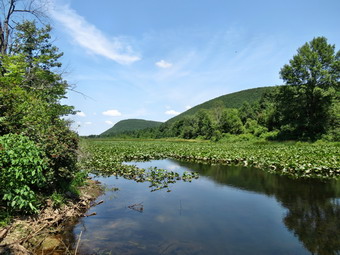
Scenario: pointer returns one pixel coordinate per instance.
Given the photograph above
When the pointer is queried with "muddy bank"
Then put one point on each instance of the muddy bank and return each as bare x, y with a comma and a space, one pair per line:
41, 234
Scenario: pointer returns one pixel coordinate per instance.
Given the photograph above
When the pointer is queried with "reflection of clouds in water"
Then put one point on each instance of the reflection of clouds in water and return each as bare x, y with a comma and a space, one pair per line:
173, 167
163, 218
102, 235
336, 201
122, 224
167, 164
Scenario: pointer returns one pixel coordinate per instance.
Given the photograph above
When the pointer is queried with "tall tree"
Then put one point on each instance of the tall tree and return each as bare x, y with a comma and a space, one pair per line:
231, 122
12, 12
30, 94
313, 79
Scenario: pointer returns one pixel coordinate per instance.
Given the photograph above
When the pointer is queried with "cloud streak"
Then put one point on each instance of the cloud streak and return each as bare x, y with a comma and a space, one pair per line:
163, 64
91, 38
81, 114
112, 113
172, 112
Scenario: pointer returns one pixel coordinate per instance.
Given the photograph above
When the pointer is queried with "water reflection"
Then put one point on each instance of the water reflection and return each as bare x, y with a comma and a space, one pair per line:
228, 210
313, 206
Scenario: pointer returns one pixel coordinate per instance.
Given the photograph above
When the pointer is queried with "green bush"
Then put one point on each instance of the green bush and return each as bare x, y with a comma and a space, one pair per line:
22, 164
60, 145
217, 135
238, 138
270, 136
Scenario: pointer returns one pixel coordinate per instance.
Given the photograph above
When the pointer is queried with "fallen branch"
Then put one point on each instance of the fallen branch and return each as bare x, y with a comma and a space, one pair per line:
81, 232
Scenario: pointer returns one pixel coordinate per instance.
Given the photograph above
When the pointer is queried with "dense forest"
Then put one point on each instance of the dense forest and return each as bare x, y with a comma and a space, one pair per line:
306, 108
130, 125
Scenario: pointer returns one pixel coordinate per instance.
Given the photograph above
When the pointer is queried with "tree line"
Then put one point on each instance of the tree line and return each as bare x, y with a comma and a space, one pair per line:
305, 108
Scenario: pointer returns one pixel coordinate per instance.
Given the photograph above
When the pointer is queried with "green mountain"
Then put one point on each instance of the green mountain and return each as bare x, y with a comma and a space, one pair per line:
130, 125
233, 100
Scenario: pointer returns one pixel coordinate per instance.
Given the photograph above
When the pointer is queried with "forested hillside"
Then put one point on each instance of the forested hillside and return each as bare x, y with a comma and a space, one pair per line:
130, 125
232, 100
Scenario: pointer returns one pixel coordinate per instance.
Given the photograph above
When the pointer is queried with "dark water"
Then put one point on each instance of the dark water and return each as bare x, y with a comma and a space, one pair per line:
228, 210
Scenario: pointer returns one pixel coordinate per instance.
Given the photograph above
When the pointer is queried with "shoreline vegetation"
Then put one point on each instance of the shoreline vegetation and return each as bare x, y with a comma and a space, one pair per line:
294, 159
40, 162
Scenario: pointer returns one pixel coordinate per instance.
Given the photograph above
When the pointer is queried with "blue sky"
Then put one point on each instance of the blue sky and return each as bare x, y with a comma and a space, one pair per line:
153, 59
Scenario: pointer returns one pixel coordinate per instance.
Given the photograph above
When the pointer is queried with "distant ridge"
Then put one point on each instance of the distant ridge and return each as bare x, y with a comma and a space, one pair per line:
232, 100
130, 125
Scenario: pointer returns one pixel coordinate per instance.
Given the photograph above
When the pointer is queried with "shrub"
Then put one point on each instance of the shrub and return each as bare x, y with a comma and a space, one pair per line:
270, 136
60, 145
22, 165
217, 135
238, 138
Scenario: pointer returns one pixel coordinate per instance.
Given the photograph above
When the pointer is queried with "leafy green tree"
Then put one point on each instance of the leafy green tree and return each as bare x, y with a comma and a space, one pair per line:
313, 79
176, 127
248, 111
231, 122
30, 94
188, 130
203, 125
253, 127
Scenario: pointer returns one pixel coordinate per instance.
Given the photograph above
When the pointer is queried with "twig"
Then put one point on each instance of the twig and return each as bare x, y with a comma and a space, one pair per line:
4, 232
78, 242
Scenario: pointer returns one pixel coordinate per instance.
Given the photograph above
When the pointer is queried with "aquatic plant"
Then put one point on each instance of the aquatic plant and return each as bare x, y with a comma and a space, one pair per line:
296, 160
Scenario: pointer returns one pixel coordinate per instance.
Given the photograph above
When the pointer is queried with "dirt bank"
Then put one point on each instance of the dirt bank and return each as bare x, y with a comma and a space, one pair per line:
41, 234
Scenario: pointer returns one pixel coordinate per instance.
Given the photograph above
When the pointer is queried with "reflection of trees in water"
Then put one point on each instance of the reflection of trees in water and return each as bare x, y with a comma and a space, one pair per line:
316, 223
313, 211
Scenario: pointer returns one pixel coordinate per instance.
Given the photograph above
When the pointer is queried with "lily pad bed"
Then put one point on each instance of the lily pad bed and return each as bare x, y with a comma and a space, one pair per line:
293, 159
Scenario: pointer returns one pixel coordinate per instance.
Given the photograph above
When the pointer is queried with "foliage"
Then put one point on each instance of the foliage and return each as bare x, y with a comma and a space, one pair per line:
232, 100
253, 127
216, 136
158, 178
203, 126
5, 218
30, 100
22, 165
295, 160
313, 78
30, 92
57, 199
230, 122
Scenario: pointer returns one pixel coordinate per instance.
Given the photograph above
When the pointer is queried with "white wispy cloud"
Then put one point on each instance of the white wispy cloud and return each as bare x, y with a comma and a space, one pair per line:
112, 113
88, 123
172, 112
188, 107
163, 64
81, 114
90, 37
109, 122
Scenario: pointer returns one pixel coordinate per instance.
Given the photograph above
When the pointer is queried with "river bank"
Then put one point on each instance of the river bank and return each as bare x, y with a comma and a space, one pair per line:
40, 234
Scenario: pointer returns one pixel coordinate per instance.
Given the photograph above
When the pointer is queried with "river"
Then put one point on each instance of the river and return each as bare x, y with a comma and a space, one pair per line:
228, 210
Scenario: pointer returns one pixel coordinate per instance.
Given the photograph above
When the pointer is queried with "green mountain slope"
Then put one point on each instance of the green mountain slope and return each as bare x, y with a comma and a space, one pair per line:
130, 125
233, 100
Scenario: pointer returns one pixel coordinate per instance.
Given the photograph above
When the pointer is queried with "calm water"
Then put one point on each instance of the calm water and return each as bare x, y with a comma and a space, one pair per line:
228, 210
